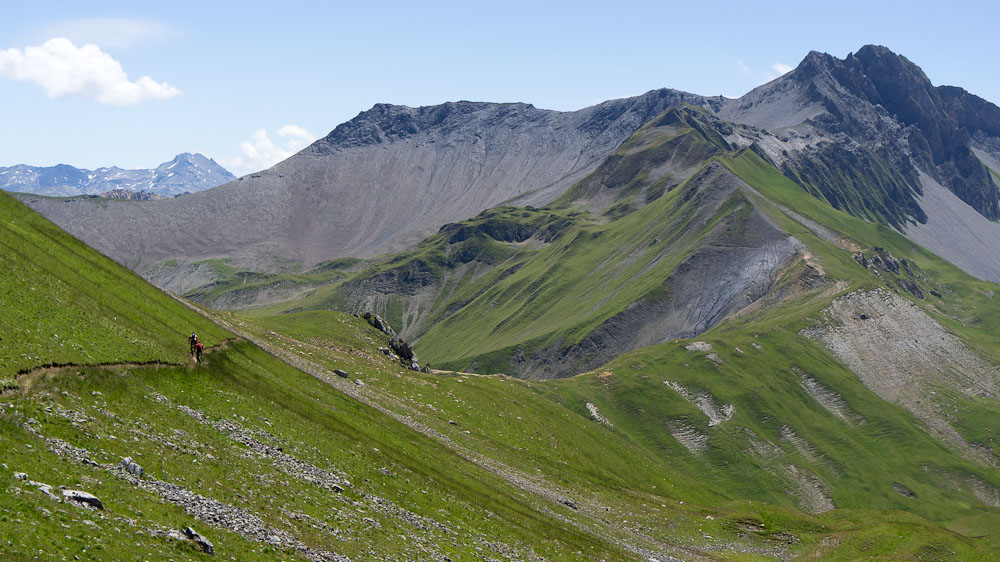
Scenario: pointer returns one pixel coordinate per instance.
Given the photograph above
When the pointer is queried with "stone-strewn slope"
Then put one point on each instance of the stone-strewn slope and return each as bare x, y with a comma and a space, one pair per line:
908, 359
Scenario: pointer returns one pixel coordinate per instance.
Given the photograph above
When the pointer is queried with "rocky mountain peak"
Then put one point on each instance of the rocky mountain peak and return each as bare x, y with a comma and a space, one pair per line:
882, 101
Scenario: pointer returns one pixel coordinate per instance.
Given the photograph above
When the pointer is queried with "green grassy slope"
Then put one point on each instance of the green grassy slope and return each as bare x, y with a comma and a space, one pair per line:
168, 419
61, 302
261, 458
633, 464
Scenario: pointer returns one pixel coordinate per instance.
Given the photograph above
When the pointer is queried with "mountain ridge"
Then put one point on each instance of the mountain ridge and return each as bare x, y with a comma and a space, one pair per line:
185, 173
393, 175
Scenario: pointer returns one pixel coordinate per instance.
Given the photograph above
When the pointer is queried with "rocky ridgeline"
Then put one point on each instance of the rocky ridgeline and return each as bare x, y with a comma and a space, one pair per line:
900, 275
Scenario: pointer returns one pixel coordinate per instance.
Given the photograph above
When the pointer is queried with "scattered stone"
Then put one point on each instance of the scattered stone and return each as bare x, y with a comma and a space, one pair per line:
358, 382
568, 503
453, 422
697, 346
130, 466
205, 544
85, 498
20, 476
45, 489
704, 402
340, 373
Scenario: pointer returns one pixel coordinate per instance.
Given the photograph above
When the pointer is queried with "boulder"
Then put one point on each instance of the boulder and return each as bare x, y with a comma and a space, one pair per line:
85, 498
131, 467
402, 348
379, 324
205, 544
340, 373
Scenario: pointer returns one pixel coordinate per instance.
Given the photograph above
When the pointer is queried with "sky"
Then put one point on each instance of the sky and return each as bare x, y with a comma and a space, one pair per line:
248, 83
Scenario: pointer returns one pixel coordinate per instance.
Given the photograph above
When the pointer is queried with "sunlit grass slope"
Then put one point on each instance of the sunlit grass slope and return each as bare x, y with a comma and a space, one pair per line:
62, 302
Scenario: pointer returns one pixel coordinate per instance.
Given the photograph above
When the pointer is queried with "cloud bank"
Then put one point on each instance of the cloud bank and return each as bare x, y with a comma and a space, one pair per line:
63, 69
260, 152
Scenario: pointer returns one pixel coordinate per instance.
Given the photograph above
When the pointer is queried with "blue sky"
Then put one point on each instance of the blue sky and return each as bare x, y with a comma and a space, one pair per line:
246, 83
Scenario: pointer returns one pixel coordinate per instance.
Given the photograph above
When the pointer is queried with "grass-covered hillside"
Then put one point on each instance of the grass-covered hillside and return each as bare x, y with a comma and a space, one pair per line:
618, 439
63, 303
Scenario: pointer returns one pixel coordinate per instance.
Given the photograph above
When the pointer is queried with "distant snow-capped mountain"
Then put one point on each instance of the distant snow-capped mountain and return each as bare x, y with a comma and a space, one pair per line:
185, 173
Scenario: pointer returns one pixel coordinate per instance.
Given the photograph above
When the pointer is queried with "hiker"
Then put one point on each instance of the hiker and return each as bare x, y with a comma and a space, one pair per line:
198, 349
193, 340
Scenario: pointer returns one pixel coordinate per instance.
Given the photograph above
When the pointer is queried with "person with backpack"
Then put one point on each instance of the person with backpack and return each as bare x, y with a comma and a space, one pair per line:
199, 348
193, 340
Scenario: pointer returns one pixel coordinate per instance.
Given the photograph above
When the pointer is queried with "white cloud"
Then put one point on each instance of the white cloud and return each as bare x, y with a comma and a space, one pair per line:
744, 68
782, 68
110, 33
260, 152
62, 69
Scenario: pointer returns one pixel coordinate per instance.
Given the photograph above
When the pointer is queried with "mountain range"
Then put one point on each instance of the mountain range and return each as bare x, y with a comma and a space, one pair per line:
870, 134
668, 327
186, 173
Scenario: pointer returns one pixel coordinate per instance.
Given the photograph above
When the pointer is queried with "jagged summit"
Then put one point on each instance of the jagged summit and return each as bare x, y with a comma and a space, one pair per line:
876, 108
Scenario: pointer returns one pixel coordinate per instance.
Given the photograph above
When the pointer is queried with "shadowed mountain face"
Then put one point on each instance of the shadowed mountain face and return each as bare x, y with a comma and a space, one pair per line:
855, 131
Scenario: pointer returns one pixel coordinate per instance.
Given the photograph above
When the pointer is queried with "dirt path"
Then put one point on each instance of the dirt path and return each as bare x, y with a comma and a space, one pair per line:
25, 378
